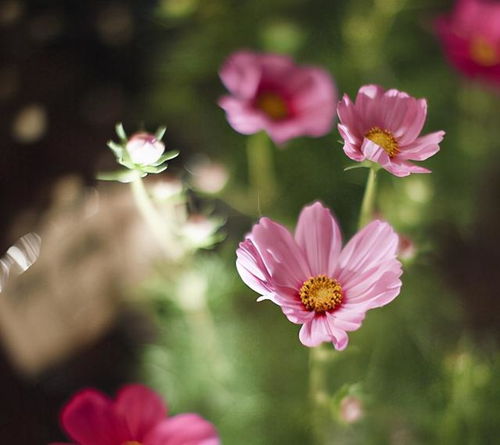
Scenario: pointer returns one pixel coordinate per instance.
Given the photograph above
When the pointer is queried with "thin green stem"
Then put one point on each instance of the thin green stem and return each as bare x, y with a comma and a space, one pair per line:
263, 187
154, 220
321, 415
197, 314
368, 204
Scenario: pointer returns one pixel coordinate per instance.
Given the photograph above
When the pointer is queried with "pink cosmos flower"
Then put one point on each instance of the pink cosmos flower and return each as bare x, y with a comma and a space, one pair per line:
383, 127
270, 93
136, 417
470, 36
316, 283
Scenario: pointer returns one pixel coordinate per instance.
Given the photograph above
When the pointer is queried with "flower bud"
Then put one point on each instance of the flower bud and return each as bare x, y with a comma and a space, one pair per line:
198, 230
406, 248
351, 409
144, 148
209, 177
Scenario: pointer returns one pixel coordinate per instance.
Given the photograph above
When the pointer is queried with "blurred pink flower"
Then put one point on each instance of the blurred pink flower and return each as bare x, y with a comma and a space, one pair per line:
383, 127
318, 284
470, 36
136, 417
144, 148
270, 93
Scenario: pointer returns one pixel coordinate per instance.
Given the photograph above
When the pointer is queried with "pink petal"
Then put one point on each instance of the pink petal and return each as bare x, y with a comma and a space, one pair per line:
274, 67
320, 329
348, 136
252, 269
368, 106
346, 319
271, 263
141, 408
183, 429
280, 253
315, 331
294, 309
394, 107
314, 100
353, 153
350, 121
371, 246
368, 269
374, 152
380, 293
89, 419
403, 168
241, 74
242, 116
423, 147
413, 121
283, 131
318, 235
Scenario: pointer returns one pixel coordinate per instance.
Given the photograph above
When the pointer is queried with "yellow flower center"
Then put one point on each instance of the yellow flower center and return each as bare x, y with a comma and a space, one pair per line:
273, 105
483, 52
133, 442
321, 294
384, 139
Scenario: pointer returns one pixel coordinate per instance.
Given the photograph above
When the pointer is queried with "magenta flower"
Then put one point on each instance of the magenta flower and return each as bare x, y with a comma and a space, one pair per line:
316, 283
136, 417
270, 93
383, 127
470, 36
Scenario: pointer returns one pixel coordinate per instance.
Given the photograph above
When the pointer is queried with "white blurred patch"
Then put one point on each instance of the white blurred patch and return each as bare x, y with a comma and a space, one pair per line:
19, 257
208, 176
30, 124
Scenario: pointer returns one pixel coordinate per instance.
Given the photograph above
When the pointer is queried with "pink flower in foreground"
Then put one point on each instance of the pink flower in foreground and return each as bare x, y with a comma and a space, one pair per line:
318, 284
470, 36
383, 127
136, 417
270, 93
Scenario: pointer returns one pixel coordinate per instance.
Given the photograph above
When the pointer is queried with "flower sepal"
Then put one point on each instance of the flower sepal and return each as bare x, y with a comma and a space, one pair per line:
124, 176
142, 154
364, 164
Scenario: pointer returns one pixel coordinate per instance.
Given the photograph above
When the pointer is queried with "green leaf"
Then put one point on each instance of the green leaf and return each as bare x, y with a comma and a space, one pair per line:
354, 166
120, 131
124, 176
364, 164
160, 132
116, 148
153, 169
166, 157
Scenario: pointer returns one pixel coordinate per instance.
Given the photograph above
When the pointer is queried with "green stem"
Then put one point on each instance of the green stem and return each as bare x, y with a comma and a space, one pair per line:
368, 204
263, 186
155, 221
197, 314
321, 416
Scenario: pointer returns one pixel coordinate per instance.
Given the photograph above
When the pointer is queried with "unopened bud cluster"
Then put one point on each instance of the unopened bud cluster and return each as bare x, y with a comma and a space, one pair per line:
142, 153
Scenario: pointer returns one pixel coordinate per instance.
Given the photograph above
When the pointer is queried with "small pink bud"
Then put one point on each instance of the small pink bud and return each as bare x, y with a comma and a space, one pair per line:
144, 148
199, 229
209, 177
351, 409
406, 248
